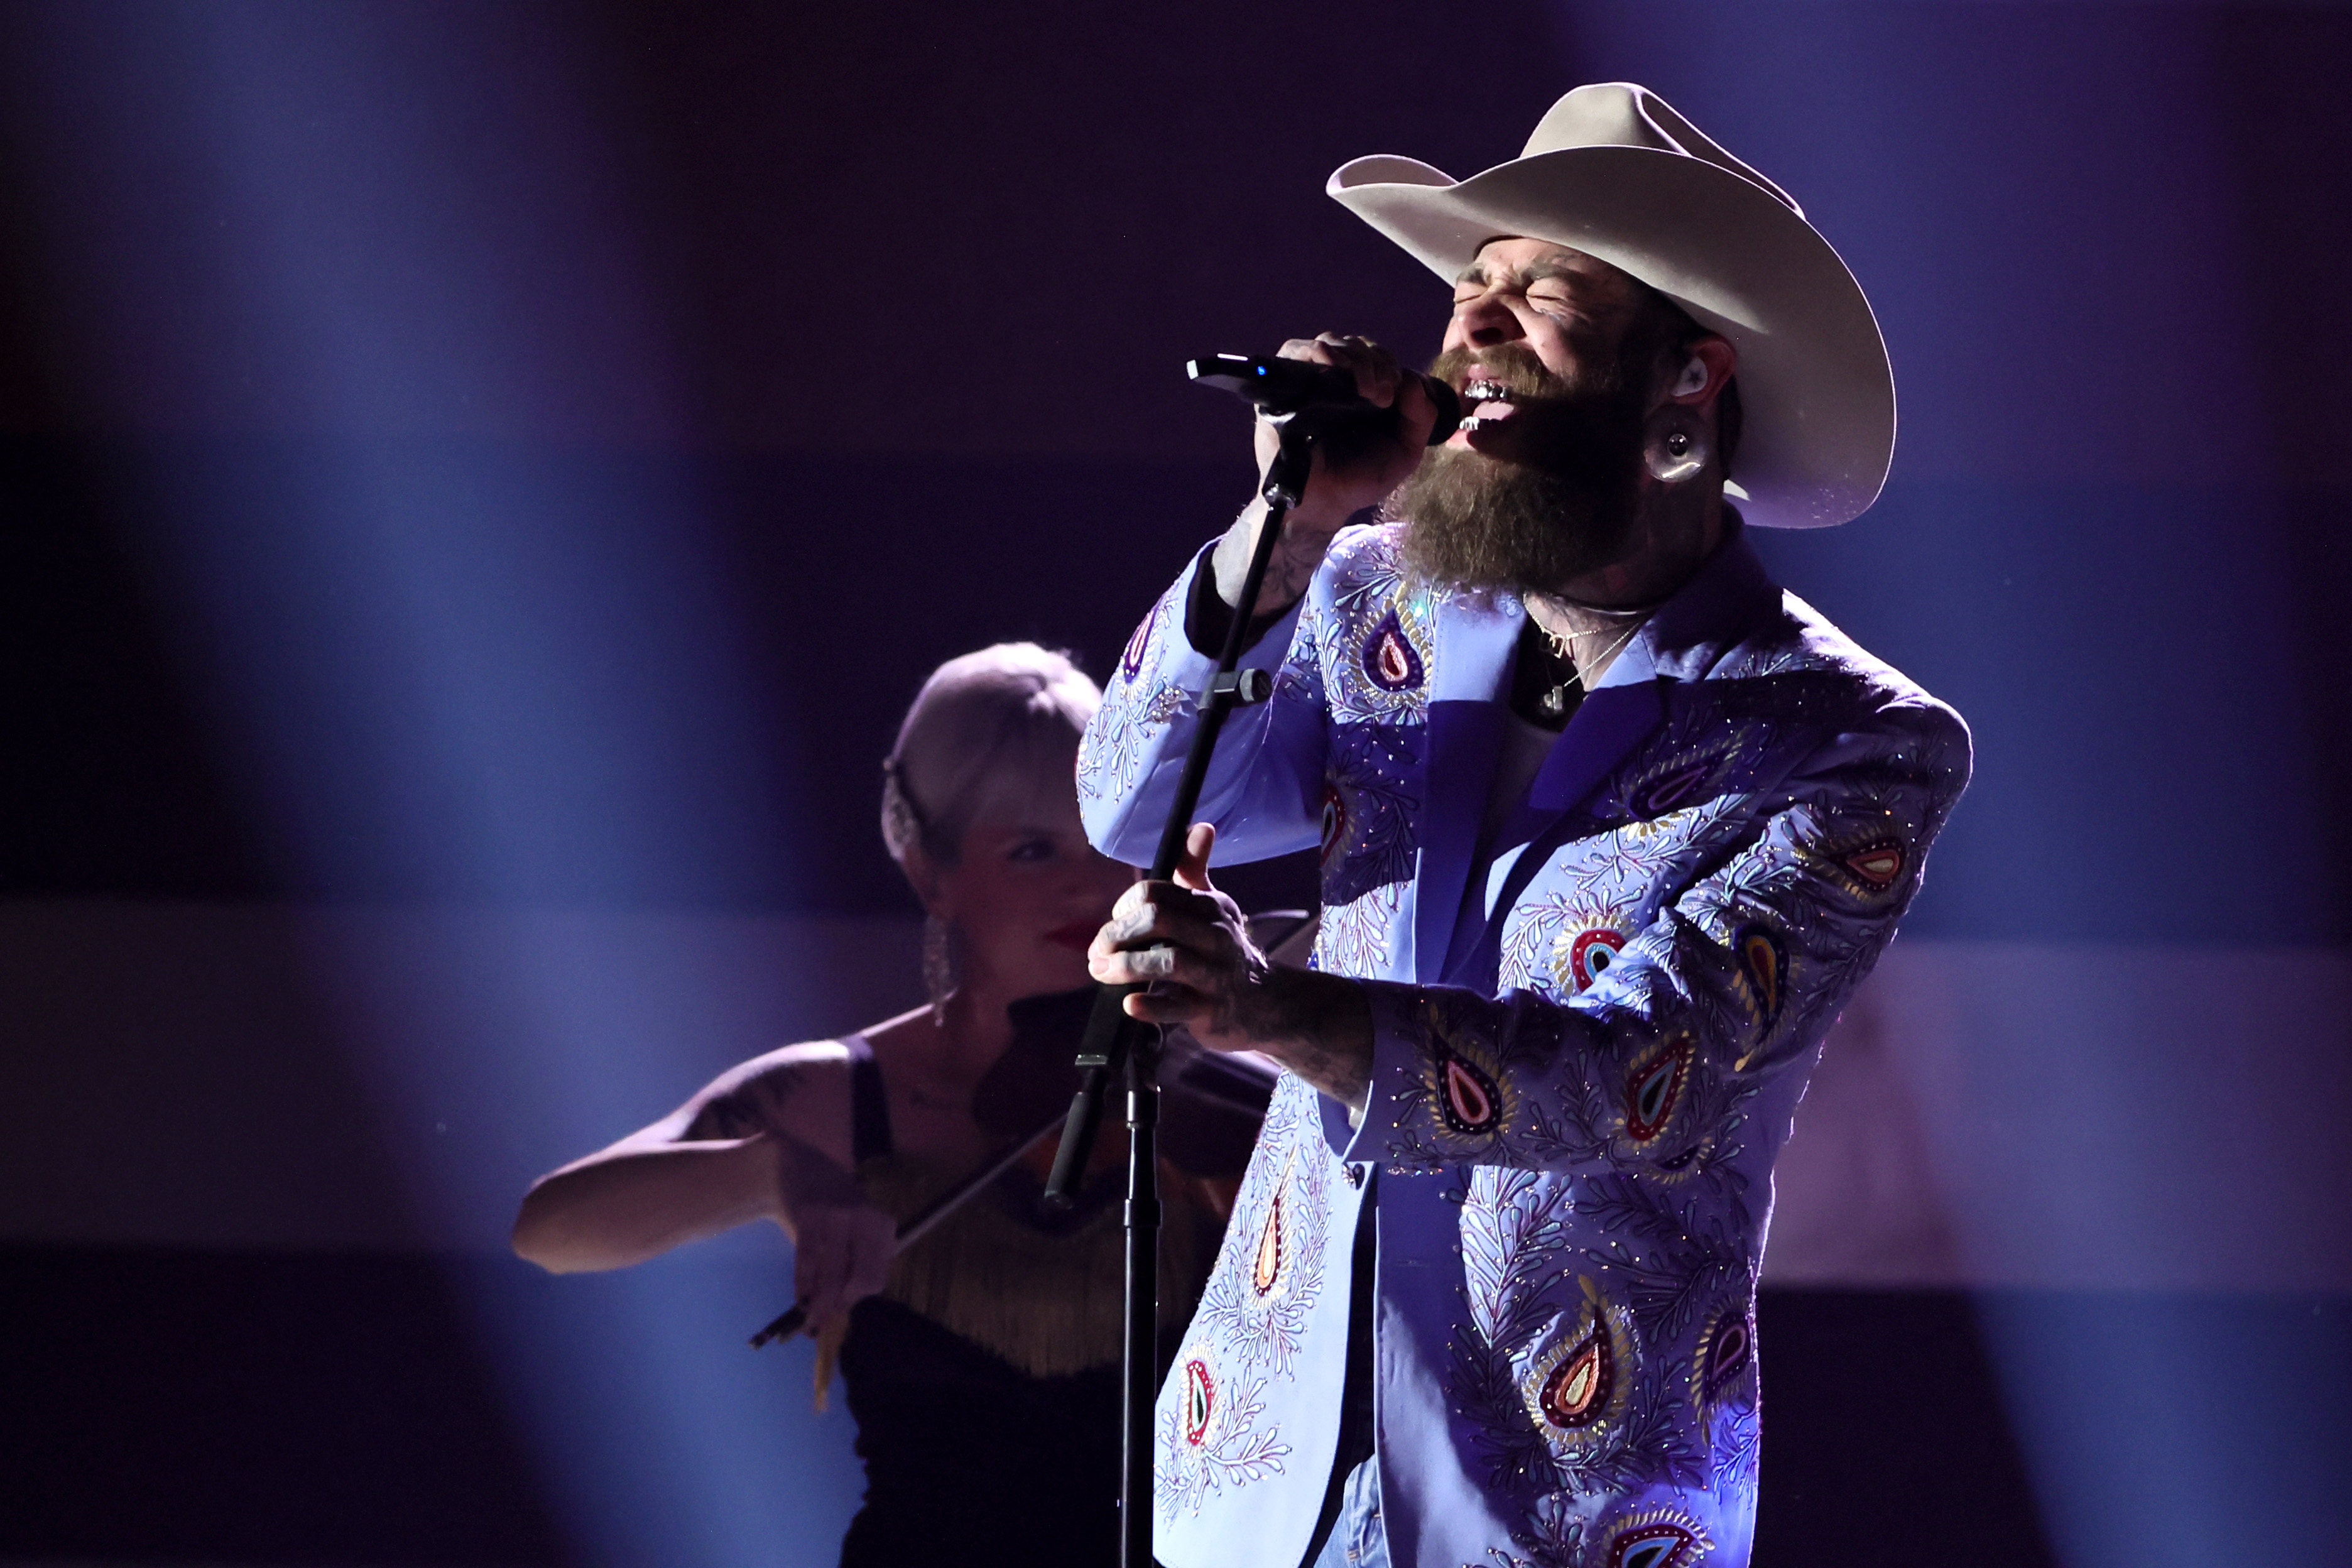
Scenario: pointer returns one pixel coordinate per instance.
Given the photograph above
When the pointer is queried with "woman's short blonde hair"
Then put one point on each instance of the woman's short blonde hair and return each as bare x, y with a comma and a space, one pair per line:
989, 732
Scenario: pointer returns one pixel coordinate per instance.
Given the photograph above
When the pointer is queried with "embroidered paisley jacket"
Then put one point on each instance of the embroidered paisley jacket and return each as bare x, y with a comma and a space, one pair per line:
1586, 1058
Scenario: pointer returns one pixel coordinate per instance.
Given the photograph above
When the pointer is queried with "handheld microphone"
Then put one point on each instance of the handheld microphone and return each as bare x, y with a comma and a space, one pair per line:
1282, 387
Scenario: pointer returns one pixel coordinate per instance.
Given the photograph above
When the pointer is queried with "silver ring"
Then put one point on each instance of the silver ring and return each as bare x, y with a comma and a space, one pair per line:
1156, 962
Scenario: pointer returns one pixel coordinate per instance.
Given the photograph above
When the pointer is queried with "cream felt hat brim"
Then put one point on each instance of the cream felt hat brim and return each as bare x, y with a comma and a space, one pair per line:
1612, 171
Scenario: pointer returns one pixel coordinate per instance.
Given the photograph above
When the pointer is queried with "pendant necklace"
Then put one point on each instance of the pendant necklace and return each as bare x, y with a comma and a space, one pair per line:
1554, 702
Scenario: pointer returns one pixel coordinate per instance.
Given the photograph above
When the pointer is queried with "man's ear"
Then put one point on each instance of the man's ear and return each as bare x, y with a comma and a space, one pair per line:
1706, 369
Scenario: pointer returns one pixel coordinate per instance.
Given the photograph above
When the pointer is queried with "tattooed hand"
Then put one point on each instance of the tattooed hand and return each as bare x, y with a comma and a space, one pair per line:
1346, 477
1185, 943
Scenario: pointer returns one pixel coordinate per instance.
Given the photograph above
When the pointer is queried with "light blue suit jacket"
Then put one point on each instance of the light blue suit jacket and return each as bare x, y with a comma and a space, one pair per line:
1585, 1063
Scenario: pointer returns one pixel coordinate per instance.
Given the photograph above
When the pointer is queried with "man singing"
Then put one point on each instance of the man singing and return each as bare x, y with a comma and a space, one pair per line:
1611, 827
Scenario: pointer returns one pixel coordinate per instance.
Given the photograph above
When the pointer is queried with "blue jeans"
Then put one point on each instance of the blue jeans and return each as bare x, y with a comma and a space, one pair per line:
1357, 1539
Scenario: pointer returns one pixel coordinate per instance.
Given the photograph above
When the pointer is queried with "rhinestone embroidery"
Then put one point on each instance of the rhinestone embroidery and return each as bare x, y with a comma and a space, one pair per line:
1655, 1088
1390, 660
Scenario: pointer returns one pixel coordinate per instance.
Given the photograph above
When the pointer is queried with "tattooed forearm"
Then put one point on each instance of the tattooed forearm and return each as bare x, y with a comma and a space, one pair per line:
1296, 557
1318, 1026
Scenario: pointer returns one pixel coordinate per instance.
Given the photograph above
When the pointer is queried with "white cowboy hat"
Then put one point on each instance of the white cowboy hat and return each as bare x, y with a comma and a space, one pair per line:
1612, 171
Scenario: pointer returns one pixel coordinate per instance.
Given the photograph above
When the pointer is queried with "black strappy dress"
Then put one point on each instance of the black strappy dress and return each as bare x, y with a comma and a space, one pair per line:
971, 1458
967, 1458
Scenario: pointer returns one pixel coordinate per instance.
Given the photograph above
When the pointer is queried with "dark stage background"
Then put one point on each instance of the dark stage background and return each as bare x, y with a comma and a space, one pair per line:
482, 481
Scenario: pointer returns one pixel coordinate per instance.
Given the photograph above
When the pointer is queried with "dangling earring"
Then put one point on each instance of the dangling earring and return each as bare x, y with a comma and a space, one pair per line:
940, 963
1675, 446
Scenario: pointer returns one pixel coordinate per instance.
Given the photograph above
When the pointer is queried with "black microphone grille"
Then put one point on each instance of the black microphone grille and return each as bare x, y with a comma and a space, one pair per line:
1287, 385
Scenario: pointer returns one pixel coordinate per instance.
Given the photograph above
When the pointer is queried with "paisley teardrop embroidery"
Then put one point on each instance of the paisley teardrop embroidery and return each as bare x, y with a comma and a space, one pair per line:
1200, 1400
1390, 660
1660, 1545
1878, 866
1663, 795
1767, 965
1131, 659
1471, 1100
1723, 1370
1577, 1391
1335, 820
1591, 953
1266, 1269
1655, 1088
1577, 1387
1730, 1346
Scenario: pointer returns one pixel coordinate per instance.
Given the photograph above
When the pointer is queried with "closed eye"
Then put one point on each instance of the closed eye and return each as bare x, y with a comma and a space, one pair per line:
1552, 301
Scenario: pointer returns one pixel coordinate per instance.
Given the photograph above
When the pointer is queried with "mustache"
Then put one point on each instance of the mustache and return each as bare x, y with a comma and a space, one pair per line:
1512, 366
1585, 425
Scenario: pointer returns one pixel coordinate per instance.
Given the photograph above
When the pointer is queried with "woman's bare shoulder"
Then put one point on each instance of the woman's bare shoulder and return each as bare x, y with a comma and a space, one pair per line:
887, 1035
781, 1091
800, 1090
807, 1060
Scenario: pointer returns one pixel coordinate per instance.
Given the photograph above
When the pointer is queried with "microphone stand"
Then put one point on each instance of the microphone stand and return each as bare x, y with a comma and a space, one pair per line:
1117, 1047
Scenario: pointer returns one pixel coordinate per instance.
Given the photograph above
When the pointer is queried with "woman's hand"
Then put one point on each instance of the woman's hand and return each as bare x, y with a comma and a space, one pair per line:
840, 1256
842, 1244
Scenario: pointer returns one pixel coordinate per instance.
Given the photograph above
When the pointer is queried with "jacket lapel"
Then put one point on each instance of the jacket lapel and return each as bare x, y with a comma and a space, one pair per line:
1689, 633
1607, 726
1464, 739
1466, 714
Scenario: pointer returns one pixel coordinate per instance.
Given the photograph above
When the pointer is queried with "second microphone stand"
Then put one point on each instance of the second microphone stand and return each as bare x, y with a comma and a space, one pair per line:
1119, 1049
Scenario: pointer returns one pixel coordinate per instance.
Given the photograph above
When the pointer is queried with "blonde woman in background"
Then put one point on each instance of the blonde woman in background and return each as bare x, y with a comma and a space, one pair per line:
981, 1363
